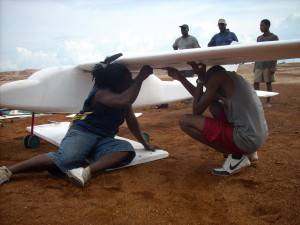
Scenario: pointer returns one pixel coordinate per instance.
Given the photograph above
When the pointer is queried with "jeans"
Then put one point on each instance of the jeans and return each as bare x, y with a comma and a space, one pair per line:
78, 145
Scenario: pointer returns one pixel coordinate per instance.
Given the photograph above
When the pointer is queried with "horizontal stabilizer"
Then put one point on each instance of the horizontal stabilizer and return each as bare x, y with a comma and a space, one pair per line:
55, 132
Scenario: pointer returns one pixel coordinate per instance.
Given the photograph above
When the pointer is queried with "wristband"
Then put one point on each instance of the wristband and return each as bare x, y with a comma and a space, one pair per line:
199, 81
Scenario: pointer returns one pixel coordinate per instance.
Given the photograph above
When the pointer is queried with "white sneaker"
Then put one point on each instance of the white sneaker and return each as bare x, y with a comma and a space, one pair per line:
231, 166
79, 176
253, 156
5, 174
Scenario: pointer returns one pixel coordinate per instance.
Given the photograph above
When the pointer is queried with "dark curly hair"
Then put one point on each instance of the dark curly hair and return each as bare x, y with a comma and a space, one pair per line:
111, 76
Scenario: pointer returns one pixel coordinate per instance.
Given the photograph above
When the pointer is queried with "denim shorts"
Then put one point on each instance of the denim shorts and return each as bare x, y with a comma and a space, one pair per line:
78, 145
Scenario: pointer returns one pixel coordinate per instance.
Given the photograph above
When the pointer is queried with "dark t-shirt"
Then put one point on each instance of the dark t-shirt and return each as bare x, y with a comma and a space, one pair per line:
266, 64
101, 120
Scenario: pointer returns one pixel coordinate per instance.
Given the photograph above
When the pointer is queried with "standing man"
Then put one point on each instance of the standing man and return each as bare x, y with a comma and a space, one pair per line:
225, 37
265, 71
186, 41
236, 129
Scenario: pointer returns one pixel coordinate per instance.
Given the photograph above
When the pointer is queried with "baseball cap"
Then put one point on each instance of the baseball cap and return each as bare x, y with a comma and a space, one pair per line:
184, 26
222, 21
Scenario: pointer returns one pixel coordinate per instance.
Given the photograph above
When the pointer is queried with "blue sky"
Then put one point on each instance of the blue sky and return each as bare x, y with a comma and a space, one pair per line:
45, 33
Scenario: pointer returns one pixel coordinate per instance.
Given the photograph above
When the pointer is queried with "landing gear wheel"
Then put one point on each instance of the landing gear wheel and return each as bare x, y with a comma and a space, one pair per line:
146, 136
25, 141
31, 141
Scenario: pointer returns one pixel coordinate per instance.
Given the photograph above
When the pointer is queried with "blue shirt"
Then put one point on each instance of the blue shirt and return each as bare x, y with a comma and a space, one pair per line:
224, 38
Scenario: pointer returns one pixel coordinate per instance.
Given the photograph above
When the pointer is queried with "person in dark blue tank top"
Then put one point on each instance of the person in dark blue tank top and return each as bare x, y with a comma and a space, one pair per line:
92, 131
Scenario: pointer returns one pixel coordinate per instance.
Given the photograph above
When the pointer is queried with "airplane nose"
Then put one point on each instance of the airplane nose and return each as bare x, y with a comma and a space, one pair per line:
19, 94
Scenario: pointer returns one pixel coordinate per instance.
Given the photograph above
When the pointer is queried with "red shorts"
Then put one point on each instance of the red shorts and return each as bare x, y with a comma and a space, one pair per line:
220, 132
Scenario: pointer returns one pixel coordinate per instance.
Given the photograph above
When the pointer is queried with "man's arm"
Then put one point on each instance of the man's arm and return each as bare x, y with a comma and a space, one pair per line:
212, 42
235, 37
127, 97
175, 74
203, 99
274, 63
196, 43
175, 45
134, 127
273, 66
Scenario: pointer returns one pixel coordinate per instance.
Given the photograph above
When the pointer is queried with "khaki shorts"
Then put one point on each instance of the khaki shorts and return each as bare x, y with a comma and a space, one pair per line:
263, 76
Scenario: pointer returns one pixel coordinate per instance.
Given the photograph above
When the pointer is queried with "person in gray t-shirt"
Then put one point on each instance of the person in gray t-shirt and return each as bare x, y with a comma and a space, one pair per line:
237, 125
186, 41
265, 71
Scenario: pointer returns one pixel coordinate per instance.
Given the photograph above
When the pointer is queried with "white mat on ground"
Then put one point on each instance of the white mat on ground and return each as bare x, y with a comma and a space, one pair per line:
55, 132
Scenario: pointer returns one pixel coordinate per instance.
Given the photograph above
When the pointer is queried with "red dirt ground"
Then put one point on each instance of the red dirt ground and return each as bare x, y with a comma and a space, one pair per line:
177, 190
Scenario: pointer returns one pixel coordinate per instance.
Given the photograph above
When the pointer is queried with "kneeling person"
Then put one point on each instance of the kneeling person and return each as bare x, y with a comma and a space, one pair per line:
237, 127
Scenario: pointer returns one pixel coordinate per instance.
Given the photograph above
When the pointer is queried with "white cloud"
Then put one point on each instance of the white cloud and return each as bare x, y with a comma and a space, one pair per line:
36, 59
70, 53
8, 66
288, 27
79, 51
76, 31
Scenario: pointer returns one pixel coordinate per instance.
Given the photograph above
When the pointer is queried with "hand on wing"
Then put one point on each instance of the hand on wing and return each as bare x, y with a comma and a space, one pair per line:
196, 69
151, 148
172, 72
145, 72
202, 65
192, 64
200, 71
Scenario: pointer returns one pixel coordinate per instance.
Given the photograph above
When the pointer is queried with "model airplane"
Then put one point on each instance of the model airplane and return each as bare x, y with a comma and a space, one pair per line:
63, 89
